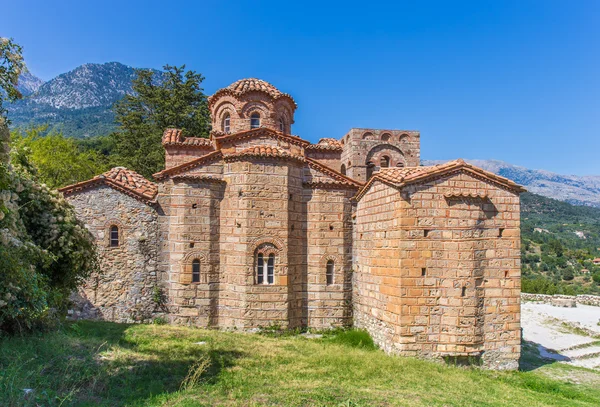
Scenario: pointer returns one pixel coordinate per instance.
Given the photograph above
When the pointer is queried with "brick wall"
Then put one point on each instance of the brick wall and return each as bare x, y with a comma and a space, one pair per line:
434, 277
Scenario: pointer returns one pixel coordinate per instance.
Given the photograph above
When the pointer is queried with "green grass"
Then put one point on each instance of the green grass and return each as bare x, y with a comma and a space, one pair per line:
106, 364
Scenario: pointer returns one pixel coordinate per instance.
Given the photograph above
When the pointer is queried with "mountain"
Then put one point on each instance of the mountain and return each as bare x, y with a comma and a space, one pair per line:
577, 190
29, 83
78, 102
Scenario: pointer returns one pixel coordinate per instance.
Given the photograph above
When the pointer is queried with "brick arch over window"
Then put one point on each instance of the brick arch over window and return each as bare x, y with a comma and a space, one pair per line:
395, 155
269, 252
255, 107
107, 227
186, 267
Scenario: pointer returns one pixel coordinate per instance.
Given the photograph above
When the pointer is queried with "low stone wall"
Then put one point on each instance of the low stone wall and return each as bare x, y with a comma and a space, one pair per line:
583, 299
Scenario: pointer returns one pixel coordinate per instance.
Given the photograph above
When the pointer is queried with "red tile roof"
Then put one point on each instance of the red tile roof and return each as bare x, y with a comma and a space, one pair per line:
239, 88
173, 137
264, 151
121, 179
402, 176
262, 131
178, 169
338, 177
326, 144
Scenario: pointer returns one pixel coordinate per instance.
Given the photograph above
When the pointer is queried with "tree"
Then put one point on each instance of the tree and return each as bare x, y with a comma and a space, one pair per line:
596, 278
11, 66
57, 161
45, 252
568, 274
171, 99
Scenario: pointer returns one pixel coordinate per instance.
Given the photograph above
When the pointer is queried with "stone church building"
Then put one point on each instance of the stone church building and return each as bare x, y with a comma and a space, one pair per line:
256, 227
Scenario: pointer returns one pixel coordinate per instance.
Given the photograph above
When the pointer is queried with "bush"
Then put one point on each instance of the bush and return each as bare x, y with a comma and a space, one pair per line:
596, 278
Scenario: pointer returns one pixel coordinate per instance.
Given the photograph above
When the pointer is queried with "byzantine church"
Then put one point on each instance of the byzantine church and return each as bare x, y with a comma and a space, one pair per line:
255, 227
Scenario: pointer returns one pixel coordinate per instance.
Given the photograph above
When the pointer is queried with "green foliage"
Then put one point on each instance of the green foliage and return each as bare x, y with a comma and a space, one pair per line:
558, 241
596, 278
58, 161
11, 66
354, 338
176, 101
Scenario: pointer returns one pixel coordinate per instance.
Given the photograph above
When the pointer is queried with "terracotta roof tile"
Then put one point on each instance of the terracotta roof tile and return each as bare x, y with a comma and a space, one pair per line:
122, 179
326, 144
242, 86
173, 137
401, 176
265, 151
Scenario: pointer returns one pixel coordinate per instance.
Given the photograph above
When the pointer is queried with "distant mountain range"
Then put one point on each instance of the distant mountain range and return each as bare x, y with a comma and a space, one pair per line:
577, 190
78, 102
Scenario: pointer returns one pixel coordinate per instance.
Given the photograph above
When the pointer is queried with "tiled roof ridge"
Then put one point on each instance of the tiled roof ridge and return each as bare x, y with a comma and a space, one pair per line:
173, 137
122, 179
247, 85
331, 172
252, 132
188, 165
264, 151
402, 176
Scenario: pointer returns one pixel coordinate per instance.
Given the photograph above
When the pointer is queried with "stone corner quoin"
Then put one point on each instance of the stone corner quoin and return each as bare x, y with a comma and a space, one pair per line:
256, 227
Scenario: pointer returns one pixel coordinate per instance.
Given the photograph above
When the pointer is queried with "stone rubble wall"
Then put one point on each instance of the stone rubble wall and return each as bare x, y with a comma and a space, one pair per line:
583, 299
126, 289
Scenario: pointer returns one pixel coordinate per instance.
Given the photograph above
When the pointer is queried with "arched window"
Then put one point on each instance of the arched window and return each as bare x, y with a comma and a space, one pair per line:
343, 169
227, 124
329, 272
400, 164
196, 271
282, 125
255, 120
384, 162
260, 272
114, 236
271, 269
265, 269
385, 137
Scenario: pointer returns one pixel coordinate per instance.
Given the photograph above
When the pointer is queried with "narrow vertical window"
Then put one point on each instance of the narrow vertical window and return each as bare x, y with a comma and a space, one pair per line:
281, 125
227, 124
260, 274
329, 272
114, 236
196, 271
255, 121
343, 169
271, 269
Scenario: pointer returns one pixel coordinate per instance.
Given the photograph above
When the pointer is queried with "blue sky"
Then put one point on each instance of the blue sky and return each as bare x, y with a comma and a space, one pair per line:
517, 81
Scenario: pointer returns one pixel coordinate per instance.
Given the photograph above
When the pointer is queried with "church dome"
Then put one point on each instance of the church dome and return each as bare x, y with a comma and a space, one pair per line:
248, 85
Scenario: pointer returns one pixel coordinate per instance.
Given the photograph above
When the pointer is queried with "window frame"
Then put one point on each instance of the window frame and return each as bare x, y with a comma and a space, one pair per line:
227, 123
254, 116
196, 273
112, 241
330, 272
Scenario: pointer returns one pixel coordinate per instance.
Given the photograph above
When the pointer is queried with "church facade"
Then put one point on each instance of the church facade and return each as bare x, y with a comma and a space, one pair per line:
256, 227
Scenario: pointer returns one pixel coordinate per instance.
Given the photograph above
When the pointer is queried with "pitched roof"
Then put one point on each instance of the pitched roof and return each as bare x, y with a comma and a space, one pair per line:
326, 144
264, 151
261, 131
214, 155
402, 176
243, 86
123, 180
338, 177
174, 137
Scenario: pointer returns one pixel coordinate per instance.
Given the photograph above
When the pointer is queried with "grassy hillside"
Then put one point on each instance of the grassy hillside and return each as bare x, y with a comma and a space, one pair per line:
106, 364
559, 242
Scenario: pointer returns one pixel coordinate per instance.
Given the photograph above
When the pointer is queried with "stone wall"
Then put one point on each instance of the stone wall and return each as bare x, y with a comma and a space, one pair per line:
361, 146
439, 277
583, 299
126, 288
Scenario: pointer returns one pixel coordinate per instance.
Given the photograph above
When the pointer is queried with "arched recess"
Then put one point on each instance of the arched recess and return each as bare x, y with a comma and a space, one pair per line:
337, 269
186, 267
267, 260
368, 136
343, 169
380, 151
386, 137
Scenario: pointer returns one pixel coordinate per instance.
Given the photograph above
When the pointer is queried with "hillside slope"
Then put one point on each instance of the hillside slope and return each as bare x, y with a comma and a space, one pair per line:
78, 102
578, 190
